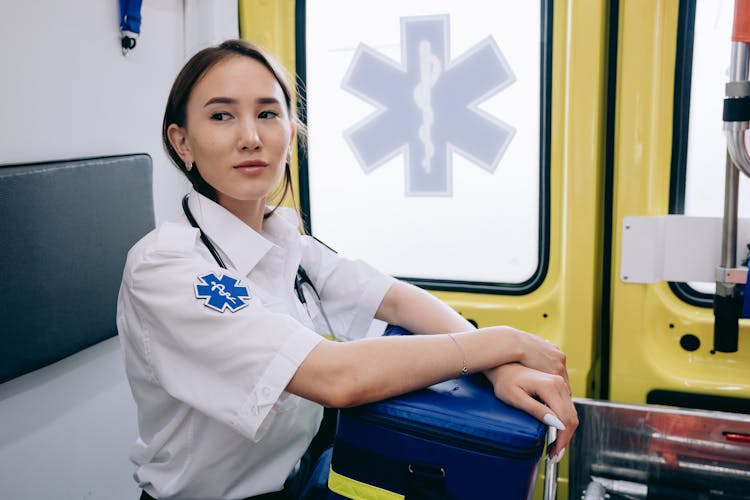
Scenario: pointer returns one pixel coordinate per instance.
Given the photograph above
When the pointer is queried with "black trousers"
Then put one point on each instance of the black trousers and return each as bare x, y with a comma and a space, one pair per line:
277, 495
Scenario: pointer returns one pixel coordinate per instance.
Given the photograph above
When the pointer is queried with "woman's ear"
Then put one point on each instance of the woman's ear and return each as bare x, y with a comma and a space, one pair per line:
179, 141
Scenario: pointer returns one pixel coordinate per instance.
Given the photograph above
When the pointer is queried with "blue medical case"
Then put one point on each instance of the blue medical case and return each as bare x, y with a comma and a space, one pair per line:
452, 440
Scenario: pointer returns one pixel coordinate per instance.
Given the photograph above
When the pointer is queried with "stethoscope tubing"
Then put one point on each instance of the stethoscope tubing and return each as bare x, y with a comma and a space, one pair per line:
204, 238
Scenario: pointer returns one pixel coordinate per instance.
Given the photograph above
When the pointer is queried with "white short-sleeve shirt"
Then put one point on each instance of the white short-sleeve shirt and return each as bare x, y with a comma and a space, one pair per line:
209, 351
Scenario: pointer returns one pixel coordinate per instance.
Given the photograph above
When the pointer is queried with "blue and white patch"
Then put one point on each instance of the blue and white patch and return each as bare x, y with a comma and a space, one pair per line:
221, 292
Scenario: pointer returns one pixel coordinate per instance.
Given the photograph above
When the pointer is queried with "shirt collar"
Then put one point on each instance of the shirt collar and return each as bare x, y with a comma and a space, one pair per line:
241, 244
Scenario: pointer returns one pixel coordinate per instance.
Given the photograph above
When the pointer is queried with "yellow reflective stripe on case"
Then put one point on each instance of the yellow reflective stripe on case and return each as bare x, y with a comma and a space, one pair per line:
351, 488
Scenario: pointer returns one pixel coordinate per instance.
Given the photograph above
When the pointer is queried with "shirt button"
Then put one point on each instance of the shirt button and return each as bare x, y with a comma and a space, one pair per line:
254, 411
266, 391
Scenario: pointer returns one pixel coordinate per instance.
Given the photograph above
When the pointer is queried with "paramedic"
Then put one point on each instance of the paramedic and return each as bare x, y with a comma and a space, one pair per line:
226, 357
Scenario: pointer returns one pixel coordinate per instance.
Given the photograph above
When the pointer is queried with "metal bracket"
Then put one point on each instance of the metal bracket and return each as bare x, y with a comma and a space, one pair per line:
734, 275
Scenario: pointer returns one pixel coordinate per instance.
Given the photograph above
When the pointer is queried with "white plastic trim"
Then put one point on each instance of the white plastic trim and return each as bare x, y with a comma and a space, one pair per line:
675, 248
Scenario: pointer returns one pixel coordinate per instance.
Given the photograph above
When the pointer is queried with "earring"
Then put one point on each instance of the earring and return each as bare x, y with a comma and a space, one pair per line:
289, 155
188, 166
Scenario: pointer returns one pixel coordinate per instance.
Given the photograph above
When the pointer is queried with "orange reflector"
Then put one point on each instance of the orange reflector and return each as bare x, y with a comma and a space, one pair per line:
741, 28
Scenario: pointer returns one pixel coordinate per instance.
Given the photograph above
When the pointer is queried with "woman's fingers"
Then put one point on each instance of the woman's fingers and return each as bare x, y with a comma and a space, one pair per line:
556, 395
541, 375
559, 412
562, 359
520, 386
542, 355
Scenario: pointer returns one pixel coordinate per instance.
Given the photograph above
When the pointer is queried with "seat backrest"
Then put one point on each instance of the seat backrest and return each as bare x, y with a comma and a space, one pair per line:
65, 229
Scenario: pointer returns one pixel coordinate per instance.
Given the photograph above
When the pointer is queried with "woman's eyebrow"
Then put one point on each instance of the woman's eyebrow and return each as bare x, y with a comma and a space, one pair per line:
268, 100
231, 100
220, 100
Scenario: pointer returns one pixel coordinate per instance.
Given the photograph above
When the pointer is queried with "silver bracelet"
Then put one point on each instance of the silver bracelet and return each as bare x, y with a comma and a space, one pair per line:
465, 367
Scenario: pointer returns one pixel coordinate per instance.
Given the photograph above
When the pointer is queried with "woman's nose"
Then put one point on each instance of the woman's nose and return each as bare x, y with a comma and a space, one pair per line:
248, 136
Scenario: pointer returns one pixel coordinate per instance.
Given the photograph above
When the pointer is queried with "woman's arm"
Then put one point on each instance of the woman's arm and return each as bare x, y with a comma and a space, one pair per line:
418, 311
522, 367
341, 374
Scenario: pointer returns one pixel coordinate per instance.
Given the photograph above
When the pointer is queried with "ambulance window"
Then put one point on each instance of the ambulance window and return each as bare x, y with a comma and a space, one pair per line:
428, 139
699, 146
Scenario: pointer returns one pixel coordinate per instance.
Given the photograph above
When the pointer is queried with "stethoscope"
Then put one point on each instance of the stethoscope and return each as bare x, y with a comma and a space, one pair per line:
300, 280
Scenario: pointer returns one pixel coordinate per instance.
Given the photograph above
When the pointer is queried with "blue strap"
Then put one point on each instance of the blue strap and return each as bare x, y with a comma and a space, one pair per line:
130, 15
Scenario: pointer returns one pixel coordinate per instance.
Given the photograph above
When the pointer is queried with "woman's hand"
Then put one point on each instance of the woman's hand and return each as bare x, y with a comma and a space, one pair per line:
541, 355
524, 387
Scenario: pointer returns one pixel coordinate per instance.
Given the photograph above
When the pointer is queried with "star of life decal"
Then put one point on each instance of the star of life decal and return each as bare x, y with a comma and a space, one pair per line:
427, 105
221, 292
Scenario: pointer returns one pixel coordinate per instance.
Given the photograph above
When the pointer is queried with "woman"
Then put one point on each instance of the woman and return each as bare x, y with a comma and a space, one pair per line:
228, 368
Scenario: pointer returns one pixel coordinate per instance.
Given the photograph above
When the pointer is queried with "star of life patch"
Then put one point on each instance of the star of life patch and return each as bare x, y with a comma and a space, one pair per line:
221, 292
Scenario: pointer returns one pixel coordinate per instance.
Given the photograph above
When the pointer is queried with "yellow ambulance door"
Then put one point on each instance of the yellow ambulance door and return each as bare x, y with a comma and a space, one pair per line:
669, 158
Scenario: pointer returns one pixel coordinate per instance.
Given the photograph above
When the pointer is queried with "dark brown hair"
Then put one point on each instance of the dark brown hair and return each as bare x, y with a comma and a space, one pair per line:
189, 76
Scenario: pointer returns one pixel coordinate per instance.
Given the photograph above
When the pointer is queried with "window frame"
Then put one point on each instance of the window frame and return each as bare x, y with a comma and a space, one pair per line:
545, 110
680, 129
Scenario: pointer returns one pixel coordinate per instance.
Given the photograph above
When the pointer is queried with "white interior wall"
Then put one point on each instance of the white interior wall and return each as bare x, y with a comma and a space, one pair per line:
68, 92
67, 428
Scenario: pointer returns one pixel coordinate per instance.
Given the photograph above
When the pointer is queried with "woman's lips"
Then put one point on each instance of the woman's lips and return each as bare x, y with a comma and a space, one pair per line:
251, 167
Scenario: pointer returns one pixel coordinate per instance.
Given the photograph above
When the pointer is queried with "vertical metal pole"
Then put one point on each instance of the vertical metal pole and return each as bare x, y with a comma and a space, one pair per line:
737, 73
550, 470
729, 226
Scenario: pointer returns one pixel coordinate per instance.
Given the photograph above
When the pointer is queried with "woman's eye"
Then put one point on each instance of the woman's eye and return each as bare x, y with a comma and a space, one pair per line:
221, 116
267, 114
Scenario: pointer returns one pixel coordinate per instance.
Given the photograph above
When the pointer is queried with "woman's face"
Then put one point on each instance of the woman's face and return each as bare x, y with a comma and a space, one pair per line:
237, 130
